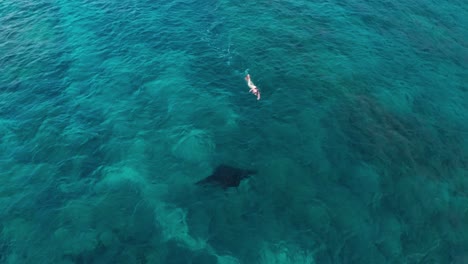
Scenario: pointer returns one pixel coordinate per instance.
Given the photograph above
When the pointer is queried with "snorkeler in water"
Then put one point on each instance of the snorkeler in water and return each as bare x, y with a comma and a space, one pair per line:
253, 89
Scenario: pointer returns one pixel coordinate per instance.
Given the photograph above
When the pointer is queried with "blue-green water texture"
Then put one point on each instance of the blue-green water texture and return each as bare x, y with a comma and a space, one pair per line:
111, 111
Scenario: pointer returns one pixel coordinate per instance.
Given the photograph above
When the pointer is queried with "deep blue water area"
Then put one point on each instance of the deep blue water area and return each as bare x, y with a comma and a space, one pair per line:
111, 111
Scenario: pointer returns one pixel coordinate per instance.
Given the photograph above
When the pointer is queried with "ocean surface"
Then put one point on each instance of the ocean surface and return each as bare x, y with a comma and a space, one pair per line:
111, 111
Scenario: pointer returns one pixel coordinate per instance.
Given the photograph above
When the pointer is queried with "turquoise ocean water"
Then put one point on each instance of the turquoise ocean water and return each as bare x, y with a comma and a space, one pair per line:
110, 111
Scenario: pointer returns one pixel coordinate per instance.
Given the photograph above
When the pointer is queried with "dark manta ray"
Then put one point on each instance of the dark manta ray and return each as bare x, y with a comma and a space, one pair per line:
226, 176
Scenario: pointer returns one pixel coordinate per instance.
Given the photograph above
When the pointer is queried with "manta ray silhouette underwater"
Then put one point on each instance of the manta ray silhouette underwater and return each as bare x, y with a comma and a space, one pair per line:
226, 176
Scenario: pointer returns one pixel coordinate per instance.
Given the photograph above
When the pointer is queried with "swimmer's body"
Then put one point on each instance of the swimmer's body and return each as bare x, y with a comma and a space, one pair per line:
253, 89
